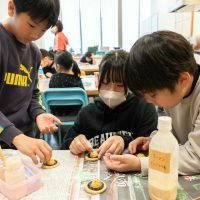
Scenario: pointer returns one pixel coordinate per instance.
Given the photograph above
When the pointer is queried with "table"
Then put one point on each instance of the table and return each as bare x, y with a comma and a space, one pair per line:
89, 69
67, 181
97, 58
88, 83
55, 181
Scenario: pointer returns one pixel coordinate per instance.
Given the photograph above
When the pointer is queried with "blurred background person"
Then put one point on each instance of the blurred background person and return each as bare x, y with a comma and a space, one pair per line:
88, 58
47, 63
68, 72
60, 41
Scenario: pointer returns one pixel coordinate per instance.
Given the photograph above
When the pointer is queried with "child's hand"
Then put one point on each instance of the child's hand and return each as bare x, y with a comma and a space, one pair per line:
80, 144
49, 75
33, 147
113, 145
122, 163
46, 123
140, 143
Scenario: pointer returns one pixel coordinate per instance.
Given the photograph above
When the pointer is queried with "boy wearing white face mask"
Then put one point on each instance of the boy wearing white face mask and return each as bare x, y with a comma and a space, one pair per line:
115, 118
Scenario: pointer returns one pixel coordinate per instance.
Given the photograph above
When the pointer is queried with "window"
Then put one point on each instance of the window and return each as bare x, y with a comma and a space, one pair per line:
130, 23
90, 23
71, 23
109, 12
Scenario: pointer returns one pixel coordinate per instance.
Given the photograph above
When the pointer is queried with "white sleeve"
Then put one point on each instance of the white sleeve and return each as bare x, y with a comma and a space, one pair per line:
144, 161
189, 153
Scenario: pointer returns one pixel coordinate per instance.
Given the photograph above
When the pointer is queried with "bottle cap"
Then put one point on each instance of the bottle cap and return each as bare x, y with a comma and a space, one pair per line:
165, 123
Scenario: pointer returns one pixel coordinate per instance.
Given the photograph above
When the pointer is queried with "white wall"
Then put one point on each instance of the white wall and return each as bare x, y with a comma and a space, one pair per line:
130, 23
3, 10
178, 22
159, 10
4, 15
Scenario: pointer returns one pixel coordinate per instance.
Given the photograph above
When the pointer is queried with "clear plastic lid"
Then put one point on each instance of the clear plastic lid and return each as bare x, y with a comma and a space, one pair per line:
165, 123
13, 163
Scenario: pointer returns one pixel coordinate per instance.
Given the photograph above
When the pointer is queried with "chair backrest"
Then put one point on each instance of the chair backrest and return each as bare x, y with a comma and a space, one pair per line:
64, 97
100, 53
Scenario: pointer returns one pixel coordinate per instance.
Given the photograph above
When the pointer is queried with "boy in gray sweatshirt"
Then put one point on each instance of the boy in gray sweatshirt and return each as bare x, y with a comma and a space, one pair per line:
162, 68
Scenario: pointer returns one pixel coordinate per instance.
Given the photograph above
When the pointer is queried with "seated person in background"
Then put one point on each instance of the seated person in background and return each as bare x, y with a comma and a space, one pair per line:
47, 63
64, 77
88, 58
115, 118
67, 76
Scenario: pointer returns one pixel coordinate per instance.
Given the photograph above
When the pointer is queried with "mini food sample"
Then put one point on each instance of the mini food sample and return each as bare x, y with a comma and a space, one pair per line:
140, 155
50, 164
95, 186
92, 156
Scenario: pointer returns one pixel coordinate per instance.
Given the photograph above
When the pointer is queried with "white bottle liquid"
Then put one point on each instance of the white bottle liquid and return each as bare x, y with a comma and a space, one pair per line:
14, 170
163, 162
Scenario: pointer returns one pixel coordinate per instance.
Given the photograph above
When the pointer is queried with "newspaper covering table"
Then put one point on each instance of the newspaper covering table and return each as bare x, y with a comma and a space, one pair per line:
122, 186
66, 182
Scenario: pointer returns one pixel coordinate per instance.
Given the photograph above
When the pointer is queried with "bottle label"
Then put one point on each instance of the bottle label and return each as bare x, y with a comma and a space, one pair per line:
159, 161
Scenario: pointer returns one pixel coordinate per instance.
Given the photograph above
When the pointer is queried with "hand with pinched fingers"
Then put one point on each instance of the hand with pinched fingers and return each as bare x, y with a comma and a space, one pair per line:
80, 144
139, 144
113, 145
33, 148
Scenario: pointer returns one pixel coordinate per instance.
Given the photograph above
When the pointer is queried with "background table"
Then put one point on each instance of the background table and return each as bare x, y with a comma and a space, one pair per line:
67, 181
89, 69
88, 83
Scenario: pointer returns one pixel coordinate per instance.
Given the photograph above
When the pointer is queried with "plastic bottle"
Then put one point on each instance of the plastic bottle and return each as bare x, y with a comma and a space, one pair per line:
163, 162
14, 170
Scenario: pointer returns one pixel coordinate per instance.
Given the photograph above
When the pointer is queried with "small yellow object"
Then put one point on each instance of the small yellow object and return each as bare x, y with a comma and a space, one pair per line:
96, 184
51, 162
140, 155
93, 154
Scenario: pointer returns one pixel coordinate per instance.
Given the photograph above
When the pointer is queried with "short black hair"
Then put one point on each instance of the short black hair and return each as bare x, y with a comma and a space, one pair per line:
59, 26
65, 59
46, 53
88, 54
39, 9
112, 66
156, 61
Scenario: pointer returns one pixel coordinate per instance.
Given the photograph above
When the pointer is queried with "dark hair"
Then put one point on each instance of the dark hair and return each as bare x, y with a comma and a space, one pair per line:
112, 66
39, 9
59, 26
46, 53
156, 61
65, 59
88, 54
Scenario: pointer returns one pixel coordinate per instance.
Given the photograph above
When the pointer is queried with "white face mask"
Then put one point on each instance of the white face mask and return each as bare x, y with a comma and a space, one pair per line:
112, 98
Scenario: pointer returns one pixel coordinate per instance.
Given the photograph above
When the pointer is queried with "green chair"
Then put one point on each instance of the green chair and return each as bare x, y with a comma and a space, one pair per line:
100, 53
